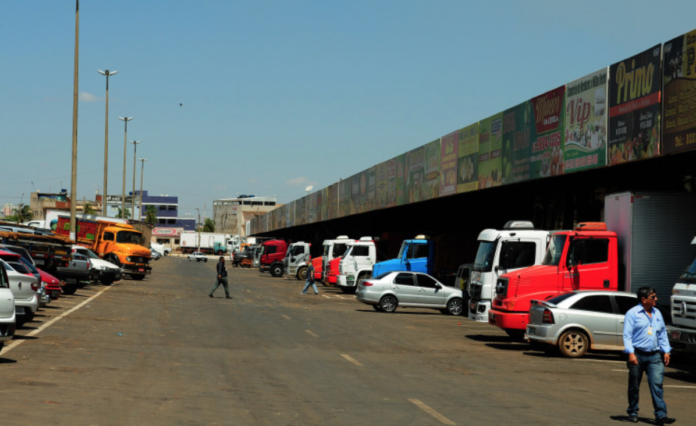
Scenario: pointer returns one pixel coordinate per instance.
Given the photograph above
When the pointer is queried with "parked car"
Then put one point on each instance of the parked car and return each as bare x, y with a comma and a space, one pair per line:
50, 285
75, 273
7, 309
27, 263
578, 321
24, 288
403, 289
155, 254
100, 270
198, 256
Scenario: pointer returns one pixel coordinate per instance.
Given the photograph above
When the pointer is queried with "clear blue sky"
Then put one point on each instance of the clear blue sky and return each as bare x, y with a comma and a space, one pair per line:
283, 94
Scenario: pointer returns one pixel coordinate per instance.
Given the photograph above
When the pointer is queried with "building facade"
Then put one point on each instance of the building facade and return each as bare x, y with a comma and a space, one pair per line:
42, 201
232, 214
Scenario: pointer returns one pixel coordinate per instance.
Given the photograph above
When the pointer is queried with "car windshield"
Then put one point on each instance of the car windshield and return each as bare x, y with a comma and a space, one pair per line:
29, 266
19, 267
128, 237
484, 256
689, 276
384, 275
555, 250
558, 299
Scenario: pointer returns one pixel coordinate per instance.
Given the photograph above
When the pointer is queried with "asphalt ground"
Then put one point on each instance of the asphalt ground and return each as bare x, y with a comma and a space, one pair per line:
161, 352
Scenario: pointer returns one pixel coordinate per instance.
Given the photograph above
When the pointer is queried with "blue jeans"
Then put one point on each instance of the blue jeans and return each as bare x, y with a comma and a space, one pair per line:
655, 368
306, 286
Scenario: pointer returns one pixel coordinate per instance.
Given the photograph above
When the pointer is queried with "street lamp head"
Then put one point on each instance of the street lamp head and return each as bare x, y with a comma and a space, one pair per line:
142, 159
107, 72
135, 142
125, 118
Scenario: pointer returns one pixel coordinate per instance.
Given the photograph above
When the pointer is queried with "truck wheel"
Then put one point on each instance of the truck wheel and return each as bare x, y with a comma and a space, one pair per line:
113, 259
69, 289
455, 307
276, 270
107, 281
388, 304
573, 344
137, 277
302, 273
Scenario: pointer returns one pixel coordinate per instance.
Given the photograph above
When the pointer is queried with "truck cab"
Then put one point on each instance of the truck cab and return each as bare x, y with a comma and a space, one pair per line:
333, 250
682, 332
295, 260
272, 255
518, 245
356, 264
415, 255
583, 259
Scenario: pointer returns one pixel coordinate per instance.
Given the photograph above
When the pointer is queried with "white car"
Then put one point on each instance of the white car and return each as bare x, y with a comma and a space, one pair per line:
100, 269
24, 288
198, 257
7, 309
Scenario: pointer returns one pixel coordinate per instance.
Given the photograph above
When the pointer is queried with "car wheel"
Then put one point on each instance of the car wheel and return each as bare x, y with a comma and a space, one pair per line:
377, 308
302, 273
205, 260
107, 281
455, 307
20, 320
388, 304
573, 344
137, 277
69, 289
276, 271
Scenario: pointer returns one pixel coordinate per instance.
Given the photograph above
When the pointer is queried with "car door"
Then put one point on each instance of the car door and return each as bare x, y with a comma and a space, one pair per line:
430, 293
405, 289
623, 304
596, 314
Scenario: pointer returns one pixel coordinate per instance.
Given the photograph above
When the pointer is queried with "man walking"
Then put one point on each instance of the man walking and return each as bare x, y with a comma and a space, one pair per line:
221, 278
310, 279
647, 346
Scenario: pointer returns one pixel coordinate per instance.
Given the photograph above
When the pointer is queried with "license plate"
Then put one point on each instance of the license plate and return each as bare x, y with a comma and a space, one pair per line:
141, 270
472, 307
71, 281
351, 278
19, 310
676, 335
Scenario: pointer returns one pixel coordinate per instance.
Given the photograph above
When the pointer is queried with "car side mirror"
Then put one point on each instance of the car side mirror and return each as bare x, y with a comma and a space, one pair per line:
438, 286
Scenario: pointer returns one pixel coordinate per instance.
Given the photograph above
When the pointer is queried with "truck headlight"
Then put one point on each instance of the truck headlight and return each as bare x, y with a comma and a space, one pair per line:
128, 259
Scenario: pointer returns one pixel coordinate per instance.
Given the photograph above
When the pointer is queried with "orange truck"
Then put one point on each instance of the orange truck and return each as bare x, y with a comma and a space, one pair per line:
115, 242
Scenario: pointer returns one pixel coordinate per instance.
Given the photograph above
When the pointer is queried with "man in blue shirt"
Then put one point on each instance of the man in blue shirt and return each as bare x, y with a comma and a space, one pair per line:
647, 346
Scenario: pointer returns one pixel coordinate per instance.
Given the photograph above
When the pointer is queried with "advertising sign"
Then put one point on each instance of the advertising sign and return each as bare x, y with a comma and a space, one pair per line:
517, 134
346, 197
546, 156
332, 202
291, 213
391, 182
381, 185
490, 149
401, 191
634, 107
371, 175
414, 175
449, 146
679, 79
431, 165
301, 211
467, 150
586, 122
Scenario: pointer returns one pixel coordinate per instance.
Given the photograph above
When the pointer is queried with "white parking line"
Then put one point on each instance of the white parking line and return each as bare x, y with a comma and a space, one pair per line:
310, 333
326, 296
622, 371
439, 417
600, 360
351, 359
286, 317
50, 322
680, 387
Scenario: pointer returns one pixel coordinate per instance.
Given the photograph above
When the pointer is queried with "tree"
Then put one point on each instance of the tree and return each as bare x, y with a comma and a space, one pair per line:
89, 209
209, 226
151, 214
122, 215
22, 213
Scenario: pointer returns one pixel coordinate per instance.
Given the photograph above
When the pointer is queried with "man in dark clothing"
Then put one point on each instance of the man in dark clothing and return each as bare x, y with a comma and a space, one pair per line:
221, 278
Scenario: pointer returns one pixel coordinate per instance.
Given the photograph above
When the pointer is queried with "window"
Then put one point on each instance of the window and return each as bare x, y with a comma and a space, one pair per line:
297, 250
256, 203
171, 208
247, 203
163, 207
594, 304
162, 221
4, 281
625, 303
417, 251
270, 249
108, 236
361, 251
587, 251
425, 281
269, 203
517, 254
176, 241
403, 279
171, 221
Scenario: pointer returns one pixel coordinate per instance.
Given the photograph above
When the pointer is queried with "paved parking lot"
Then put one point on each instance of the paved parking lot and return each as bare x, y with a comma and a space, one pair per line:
161, 352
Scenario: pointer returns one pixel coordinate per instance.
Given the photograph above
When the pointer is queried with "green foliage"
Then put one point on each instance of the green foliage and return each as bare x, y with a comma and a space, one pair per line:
209, 226
151, 214
121, 214
89, 209
22, 213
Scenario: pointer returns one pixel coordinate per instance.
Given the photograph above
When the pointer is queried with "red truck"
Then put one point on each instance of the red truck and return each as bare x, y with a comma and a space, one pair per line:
272, 255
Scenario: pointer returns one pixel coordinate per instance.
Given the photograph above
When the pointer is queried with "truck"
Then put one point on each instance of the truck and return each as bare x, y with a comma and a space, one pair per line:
356, 264
295, 261
518, 245
415, 255
333, 250
206, 242
682, 331
116, 242
272, 256
643, 242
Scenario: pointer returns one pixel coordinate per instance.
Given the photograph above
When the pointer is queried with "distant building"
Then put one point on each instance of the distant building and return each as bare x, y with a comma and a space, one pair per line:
8, 209
42, 201
232, 214
169, 225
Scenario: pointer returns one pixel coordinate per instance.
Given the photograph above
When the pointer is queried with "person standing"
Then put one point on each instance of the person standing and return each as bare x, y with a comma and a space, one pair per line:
221, 278
646, 343
310, 279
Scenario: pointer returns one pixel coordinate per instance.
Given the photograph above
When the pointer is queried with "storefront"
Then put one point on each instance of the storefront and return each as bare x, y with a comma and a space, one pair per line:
169, 237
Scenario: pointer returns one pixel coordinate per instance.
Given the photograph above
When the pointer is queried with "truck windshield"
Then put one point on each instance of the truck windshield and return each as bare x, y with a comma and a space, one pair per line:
484, 256
555, 250
326, 250
128, 237
347, 252
689, 276
339, 249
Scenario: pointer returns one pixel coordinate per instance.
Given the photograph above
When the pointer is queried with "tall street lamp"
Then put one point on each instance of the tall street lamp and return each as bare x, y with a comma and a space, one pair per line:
73, 179
135, 146
142, 170
125, 145
107, 73
199, 229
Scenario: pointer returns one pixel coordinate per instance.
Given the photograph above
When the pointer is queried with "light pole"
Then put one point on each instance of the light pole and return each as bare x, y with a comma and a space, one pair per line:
125, 145
142, 170
135, 146
107, 73
199, 229
73, 182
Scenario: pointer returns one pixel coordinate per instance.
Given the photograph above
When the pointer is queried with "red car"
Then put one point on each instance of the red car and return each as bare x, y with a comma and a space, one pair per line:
51, 284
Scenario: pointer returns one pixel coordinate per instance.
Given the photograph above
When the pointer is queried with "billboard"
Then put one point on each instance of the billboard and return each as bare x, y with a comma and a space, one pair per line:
371, 176
414, 174
679, 80
391, 183
586, 122
401, 197
489, 153
332, 202
449, 147
517, 135
431, 170
634, 107
546, 153
381, 185
466, 177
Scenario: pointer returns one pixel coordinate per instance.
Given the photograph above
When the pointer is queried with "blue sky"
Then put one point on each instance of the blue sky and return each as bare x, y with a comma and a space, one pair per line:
278, 95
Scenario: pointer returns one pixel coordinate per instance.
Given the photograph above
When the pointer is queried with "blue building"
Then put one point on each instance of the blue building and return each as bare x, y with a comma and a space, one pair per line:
167, 211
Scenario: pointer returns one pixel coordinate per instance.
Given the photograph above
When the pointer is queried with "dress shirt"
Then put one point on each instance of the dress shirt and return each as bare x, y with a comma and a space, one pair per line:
637, 325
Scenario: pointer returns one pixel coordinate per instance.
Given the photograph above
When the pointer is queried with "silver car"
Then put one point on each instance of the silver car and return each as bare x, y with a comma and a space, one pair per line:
578, 321
409, 290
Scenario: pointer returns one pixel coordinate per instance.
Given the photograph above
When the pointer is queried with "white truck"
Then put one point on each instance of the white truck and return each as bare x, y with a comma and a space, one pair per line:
356, 264
333, 249
518, 245
209, 242
682, 332
296, 258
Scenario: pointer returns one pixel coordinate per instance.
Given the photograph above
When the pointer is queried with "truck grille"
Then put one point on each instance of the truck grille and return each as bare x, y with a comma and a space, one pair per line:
140, 259
501, 287
475, 290
684, 311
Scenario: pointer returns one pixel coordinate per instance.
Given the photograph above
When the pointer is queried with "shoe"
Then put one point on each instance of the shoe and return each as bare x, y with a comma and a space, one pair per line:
227, 297
633, 419
665, 421
210, 295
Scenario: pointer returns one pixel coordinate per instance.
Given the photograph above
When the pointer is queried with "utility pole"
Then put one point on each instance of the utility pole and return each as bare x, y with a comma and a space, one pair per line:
135, 146
73, 183
142, 170
199, 229
125, 145
107, 73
